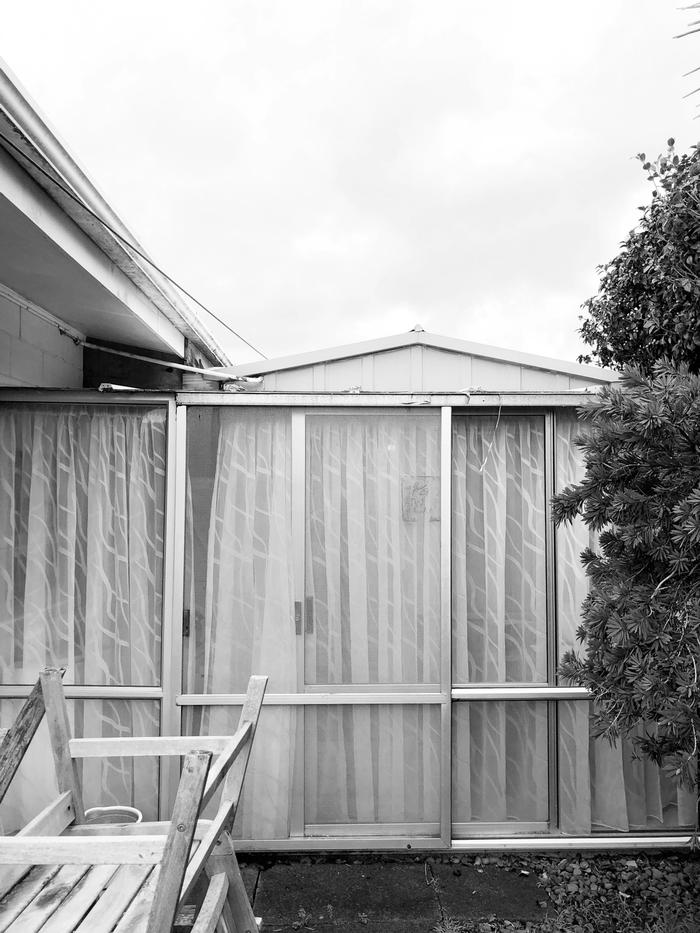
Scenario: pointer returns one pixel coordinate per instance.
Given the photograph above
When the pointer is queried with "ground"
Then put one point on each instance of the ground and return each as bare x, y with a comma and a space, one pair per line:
448, 893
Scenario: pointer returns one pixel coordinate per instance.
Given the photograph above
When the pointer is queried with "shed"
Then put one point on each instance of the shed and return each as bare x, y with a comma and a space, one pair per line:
370, 527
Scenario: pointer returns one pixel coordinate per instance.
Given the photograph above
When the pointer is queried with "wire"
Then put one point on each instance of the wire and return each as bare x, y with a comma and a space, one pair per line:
126, 242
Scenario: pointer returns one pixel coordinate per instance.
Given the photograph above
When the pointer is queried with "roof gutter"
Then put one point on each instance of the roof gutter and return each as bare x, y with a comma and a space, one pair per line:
20, 120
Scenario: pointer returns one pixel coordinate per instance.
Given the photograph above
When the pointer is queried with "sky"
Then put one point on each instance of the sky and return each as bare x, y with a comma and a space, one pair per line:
320, 172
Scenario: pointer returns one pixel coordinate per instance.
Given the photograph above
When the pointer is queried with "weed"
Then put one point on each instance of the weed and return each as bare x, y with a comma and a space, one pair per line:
304, 921
449, 925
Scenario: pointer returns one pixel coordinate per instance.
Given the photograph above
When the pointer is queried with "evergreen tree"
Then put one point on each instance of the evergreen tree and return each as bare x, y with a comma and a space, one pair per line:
648, 303
641, 621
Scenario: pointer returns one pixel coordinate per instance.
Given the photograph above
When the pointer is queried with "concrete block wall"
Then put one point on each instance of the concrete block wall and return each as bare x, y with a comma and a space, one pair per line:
33, 352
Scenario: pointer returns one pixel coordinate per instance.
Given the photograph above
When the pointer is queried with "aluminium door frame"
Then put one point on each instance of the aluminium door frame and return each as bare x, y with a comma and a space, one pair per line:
451, 404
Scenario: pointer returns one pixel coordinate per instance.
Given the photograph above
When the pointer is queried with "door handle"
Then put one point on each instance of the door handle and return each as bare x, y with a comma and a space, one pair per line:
309, 615
297, 616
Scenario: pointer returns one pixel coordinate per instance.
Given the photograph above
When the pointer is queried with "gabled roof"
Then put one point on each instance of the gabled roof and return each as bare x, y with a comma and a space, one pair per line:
418, 336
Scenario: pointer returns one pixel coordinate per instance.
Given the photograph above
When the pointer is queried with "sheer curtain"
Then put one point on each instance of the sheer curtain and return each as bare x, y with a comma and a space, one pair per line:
601, 786
373, 578
248, 620
81, 550
499, 616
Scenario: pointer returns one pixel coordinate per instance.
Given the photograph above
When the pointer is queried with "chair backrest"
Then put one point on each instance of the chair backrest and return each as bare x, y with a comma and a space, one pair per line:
202, 776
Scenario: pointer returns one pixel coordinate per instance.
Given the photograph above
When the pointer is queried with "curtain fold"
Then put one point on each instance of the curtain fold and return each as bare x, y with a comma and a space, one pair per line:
602, 786
82, 497
248, 620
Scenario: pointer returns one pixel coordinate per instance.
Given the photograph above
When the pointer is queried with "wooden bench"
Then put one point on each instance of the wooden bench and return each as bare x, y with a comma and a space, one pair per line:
60, 874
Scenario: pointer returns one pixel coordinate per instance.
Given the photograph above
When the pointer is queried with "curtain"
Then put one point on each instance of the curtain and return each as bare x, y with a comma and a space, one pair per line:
499, 767
81, 552
498, 551
373, 579
602, 787
499, 616
248, 618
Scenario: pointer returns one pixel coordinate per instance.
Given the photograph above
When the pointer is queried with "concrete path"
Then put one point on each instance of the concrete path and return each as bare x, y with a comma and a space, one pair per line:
346, 896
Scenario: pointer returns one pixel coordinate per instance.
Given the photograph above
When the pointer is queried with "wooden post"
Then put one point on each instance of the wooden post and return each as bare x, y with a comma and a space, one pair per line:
179, 841
17, 738
60, 734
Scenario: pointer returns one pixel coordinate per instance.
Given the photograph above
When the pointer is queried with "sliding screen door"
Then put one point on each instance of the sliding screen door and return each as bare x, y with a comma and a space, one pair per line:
372, 623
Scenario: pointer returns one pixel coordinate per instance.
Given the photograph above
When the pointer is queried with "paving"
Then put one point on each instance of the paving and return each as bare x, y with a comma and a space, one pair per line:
365, 896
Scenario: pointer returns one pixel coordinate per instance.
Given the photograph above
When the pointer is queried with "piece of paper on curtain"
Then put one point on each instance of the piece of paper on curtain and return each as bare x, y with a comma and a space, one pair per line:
420, 498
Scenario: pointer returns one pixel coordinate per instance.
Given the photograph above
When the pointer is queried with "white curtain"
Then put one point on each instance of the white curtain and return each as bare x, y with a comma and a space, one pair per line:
248, 626
499, 616
81, 550
373, 579
601, 786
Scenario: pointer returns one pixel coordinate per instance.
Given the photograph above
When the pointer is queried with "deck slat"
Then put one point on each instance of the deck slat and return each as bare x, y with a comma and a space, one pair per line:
23, 892
135, 919
80, 900
123, 888
38, 911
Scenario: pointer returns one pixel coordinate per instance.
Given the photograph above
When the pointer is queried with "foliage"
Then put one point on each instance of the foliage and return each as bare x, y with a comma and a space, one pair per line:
641, 620
648, 303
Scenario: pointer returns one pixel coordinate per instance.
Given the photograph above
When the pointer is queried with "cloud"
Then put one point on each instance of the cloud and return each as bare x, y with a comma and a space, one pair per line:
324, 171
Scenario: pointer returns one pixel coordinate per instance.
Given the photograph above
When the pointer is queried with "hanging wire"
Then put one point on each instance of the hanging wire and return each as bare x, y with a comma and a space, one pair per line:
126, 242
495, 430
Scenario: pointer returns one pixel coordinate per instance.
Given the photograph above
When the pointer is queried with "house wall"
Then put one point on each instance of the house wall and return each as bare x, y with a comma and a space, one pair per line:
33, 352
421, 368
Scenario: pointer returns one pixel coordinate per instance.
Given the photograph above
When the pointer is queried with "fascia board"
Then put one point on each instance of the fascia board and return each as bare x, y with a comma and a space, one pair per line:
30, 132
47, 216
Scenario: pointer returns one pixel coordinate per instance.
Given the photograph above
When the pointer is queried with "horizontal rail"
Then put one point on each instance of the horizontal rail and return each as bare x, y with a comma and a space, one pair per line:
137, 747
520, 693
87, 692
503, 843
81, 850
312, 699
571, 398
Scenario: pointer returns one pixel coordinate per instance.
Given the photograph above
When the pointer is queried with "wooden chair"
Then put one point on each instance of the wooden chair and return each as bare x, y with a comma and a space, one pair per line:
59, 874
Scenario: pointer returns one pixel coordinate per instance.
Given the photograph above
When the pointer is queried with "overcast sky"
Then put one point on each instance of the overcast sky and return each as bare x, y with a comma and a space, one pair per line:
321, 172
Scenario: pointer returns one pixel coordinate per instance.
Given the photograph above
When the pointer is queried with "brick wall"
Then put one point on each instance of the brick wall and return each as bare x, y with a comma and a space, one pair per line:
34, 353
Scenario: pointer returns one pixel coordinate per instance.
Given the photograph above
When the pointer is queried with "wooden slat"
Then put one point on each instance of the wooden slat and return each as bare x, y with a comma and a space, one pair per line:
17, 738
179, 841
24, 892
123, 888
38, 911
249, 713
107, 850
224, 859
221, 766
135, 919
212, 905
59, 731
52, 820
161, 828
138, 746
80, 900
231, 792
